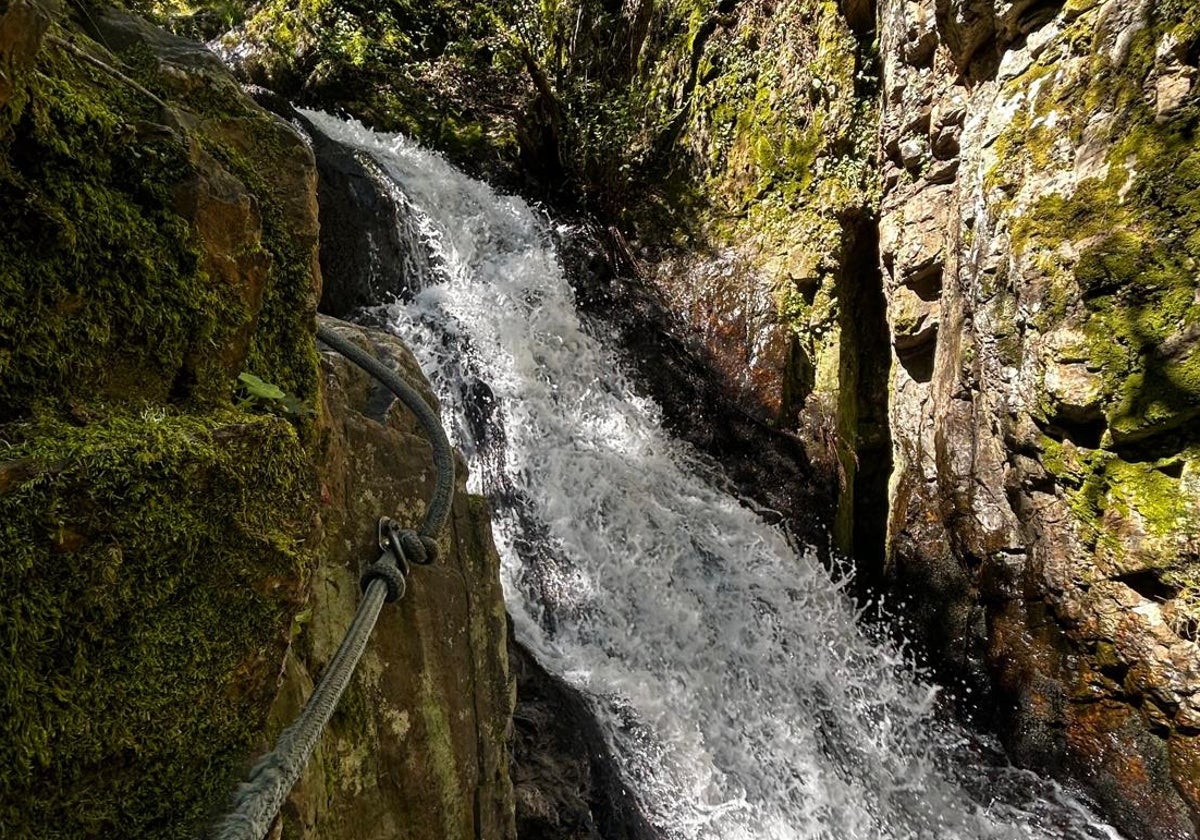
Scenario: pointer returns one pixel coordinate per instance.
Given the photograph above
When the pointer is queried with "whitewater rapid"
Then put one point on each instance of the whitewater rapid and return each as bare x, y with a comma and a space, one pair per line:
740, 695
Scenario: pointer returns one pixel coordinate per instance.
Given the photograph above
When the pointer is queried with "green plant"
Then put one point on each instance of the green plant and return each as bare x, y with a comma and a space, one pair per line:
254, 393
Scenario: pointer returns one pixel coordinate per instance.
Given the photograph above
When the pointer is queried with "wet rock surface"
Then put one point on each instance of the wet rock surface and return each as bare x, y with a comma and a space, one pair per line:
419, 744
565, 778
368, 243
1044, 509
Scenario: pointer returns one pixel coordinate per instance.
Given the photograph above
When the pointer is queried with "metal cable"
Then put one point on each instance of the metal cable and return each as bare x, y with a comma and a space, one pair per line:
443, 456
260, 797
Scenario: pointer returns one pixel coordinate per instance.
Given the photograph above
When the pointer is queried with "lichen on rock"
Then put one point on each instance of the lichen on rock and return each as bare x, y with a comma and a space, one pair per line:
419, 744
1068, 278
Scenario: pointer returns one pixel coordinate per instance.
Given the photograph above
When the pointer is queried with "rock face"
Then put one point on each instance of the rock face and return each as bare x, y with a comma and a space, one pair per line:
995, 342
566, 780
419, 745
1043, 278
998, 346
181, 554
370, 243
157, 535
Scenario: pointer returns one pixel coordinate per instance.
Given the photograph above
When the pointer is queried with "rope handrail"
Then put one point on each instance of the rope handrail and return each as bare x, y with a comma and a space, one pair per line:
260, 797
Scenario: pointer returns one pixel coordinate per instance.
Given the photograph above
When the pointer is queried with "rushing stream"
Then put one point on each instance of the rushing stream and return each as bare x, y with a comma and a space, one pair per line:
739, 693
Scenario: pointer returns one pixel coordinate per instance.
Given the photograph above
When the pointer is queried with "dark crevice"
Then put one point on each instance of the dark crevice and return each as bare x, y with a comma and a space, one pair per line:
1151, 448
1173, 469
1188, 629
927, 284
1037, 15
183, 386
1084, 432
798, 383
918, 361
864, 435
1115, 671
860, 15
1149, 585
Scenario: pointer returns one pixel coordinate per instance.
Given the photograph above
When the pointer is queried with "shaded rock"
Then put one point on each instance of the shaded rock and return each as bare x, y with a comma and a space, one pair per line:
419, 745
566, 780
370, 247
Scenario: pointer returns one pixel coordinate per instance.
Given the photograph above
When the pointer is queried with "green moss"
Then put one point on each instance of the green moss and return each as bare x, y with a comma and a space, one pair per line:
282, 349
153, 535
1153, 496
1120, 255
102, 294
100, 291
151, 559
1113, 498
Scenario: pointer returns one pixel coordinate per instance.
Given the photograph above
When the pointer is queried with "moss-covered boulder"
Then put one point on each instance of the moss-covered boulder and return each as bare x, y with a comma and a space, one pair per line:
176, 539
157, 536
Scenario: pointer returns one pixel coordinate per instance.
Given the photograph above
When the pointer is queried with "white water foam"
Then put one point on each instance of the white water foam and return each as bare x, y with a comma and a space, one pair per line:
740, 696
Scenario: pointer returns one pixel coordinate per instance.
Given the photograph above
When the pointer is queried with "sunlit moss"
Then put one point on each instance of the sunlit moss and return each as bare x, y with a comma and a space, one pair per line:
153, 535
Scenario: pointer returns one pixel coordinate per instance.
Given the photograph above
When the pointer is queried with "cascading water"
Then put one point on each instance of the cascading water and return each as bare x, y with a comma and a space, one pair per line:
741, 698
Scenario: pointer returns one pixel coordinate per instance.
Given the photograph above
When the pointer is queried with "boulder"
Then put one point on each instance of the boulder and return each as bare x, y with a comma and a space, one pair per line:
419, 744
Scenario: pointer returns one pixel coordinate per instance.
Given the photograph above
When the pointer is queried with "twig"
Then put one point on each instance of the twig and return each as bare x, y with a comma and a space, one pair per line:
107, 68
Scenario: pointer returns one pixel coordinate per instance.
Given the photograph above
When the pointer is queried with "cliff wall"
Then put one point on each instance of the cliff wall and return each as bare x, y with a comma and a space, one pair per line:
180, 551
1039, 245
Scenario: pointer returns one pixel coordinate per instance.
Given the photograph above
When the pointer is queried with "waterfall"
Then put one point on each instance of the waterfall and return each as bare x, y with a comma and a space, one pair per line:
739, 693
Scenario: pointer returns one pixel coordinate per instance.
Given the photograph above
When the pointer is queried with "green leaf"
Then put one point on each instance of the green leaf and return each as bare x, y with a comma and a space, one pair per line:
257, 388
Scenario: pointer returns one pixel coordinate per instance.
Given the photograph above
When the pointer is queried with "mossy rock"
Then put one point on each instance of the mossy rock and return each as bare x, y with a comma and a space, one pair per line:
156, 539
152, 562
113, 235
1120, 255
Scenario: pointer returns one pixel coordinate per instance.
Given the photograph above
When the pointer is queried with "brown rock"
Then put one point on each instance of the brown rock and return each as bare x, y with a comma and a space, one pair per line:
1185, 769
419, 745
1018, 491
1110, 748
22, 26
